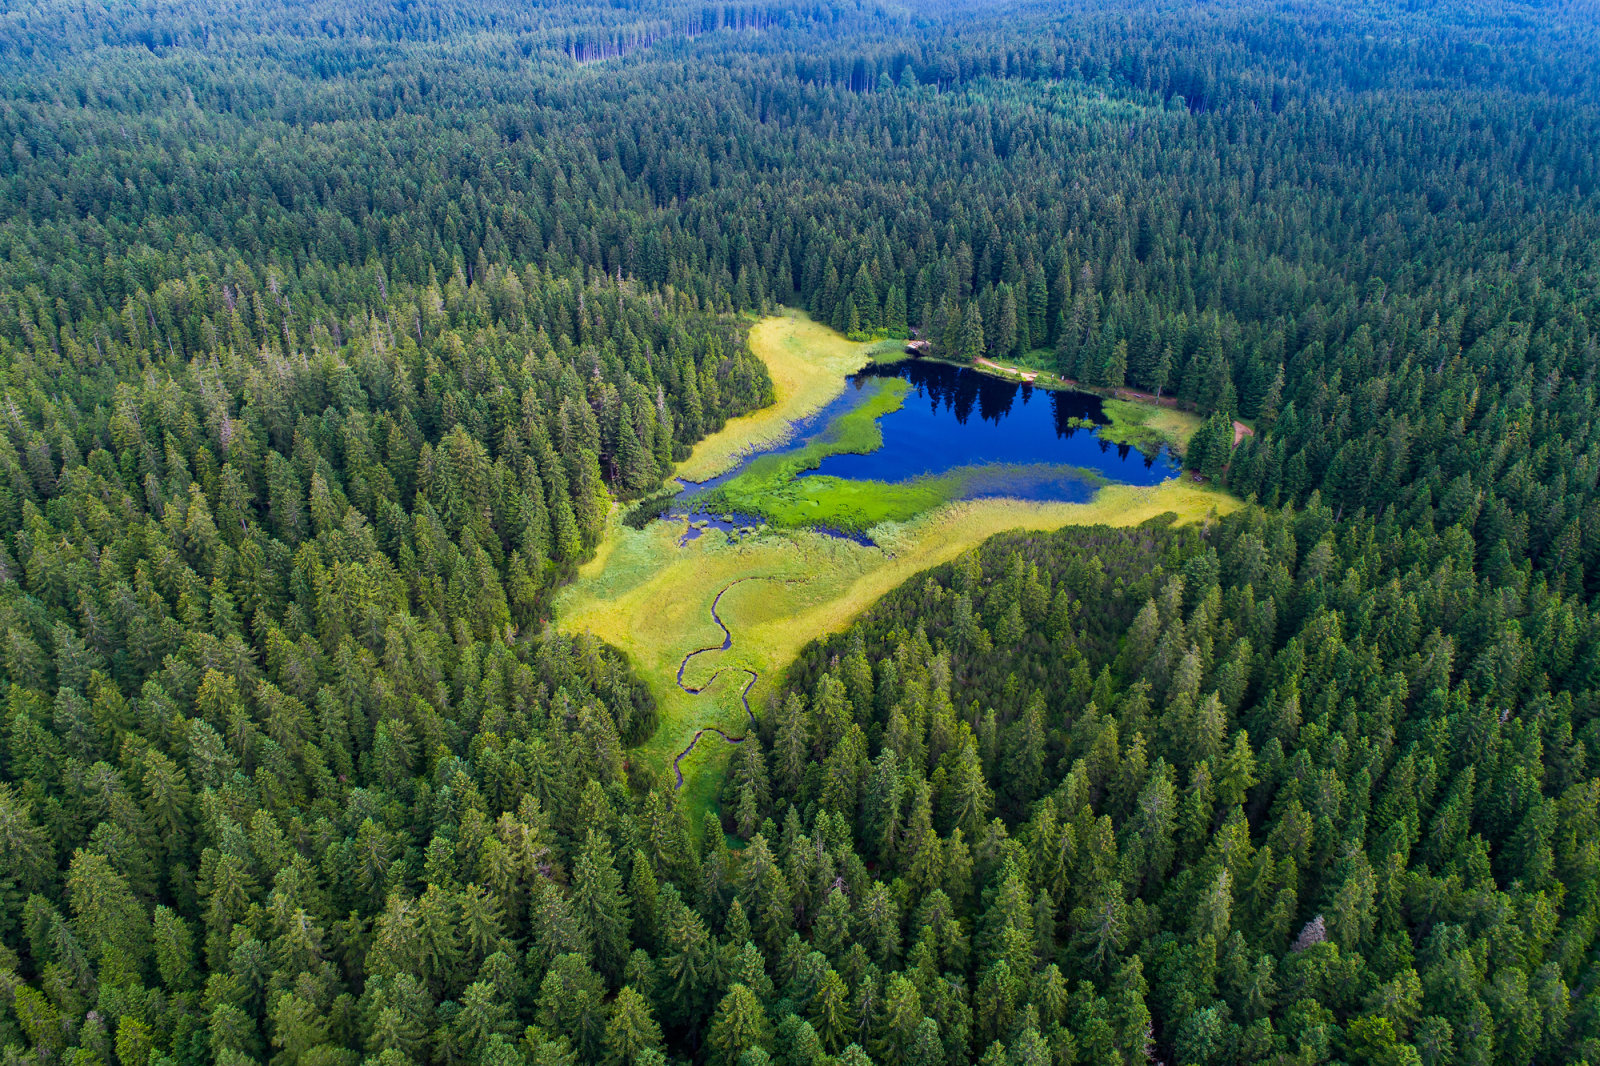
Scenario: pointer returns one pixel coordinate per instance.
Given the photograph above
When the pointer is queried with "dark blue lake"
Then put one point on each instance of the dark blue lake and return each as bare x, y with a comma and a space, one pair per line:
957, 417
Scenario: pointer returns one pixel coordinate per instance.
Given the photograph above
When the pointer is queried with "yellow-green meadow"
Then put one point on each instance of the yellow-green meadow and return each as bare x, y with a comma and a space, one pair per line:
808, 363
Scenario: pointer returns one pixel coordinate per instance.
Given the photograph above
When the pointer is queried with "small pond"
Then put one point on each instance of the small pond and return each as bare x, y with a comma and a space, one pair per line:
957, 417
1002, 438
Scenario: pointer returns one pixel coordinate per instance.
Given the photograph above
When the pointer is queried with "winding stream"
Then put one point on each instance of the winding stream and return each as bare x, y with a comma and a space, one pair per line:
744, 693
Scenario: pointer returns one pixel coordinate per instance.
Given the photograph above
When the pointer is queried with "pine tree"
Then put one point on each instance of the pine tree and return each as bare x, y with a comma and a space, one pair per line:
1037, 305
864, 297
740, 1024
1114, 372
600, 906
570, 1004
972, 342
1004, 342
829, 1012
894, 313
632, 1032
638, 467
107, 917
1162, 375
642, 896
687, 962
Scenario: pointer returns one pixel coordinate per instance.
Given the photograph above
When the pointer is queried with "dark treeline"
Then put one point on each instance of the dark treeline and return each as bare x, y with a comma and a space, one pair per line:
573, 29
330, 333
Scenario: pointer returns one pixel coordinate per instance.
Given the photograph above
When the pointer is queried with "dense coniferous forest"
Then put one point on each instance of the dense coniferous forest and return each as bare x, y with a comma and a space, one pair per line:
330, 335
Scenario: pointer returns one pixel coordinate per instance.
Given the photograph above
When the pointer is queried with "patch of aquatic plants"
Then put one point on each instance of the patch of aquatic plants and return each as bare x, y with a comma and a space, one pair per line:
924, 435
649, 509
768, 485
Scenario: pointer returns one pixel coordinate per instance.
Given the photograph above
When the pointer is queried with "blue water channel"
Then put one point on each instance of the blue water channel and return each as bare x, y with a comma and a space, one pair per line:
957, 417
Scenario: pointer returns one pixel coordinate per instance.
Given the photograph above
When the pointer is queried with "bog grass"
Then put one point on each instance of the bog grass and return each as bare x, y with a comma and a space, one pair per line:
847, 505
1148, 426
808, 363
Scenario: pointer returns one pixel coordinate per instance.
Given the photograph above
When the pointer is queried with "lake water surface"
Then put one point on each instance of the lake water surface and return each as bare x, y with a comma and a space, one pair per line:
957, 417
1008, 438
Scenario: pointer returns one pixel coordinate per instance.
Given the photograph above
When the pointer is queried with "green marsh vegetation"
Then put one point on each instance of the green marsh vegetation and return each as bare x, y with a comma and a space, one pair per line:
770, 487
1149, 427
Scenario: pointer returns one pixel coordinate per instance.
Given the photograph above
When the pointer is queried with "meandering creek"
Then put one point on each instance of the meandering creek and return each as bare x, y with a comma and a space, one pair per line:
744, 693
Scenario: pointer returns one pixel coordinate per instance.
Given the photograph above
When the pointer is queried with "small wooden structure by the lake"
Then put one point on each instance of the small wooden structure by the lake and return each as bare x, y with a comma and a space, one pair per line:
918, 348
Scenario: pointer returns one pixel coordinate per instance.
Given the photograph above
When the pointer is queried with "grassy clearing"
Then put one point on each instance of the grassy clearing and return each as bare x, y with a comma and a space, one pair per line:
1147, 426
652, 598
886, 357
647, 595
808, 363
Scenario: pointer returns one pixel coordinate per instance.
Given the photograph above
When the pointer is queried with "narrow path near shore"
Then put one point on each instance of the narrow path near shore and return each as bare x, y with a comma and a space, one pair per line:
744, 693
1025, 375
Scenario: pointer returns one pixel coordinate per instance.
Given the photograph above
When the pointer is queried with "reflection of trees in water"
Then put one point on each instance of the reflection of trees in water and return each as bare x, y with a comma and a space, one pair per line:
1046, 426
961, 391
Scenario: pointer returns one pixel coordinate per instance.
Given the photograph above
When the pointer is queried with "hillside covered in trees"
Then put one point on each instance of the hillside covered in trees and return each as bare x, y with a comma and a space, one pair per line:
330, 335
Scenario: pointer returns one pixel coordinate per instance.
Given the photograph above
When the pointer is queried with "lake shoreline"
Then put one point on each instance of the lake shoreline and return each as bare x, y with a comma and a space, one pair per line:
1172, 425
907, 436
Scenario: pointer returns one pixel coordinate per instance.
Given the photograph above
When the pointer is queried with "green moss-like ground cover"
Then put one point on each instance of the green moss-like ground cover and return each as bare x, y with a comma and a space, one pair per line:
847, 505
858, 506
1148, 426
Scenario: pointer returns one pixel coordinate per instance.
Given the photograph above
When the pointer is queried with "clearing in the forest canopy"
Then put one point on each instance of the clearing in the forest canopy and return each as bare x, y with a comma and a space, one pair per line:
652, 593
